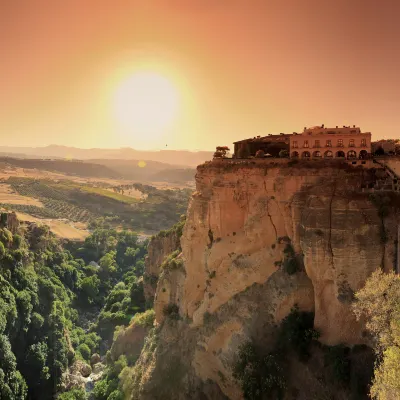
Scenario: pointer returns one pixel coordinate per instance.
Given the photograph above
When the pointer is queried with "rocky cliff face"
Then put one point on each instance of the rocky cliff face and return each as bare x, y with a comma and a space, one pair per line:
258, 239
159, 248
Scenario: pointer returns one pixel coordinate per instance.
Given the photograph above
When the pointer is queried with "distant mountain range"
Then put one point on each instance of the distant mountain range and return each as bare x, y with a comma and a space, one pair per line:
149, 171
175, 157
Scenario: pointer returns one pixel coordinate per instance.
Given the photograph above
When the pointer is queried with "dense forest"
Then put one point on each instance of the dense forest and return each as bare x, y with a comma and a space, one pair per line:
60, 303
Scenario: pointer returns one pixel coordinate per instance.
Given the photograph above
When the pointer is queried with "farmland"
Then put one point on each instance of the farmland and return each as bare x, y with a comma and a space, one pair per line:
92, 204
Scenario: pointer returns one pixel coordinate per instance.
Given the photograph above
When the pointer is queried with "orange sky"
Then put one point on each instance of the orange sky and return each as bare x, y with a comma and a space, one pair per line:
242, 68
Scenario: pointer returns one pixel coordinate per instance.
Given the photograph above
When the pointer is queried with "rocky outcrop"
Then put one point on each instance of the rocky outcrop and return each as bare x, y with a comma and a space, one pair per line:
259, 238
159, 248
129, 342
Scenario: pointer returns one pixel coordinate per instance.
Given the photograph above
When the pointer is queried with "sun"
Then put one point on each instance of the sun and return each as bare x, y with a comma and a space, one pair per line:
146, 103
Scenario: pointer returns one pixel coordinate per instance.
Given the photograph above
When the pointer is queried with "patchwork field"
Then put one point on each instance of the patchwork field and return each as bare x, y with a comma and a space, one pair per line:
72, 207
8, 195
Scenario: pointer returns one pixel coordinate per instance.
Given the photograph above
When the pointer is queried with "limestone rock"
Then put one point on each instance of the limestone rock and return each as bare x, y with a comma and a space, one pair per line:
129, 342
95, 359
242, 221
85, 370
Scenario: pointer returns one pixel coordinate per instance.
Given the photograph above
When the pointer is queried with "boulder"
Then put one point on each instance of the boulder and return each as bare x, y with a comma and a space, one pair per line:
95, 359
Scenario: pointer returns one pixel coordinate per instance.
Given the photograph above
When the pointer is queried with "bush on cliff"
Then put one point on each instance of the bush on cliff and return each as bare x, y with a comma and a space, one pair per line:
258, 375
378, 302
262, 375
297, 332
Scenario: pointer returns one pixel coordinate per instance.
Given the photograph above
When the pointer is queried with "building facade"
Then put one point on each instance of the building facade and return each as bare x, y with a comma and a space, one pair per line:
320, 142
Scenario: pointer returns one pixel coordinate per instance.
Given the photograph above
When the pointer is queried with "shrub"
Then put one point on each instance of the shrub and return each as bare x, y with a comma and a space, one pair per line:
297, 332
145, 319
283, 153
171, 310
206, 317
84, 351
290, 264
259, 376
74, 394
337, 357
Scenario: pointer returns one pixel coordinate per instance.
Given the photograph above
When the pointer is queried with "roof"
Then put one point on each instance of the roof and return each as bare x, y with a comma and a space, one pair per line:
268, 138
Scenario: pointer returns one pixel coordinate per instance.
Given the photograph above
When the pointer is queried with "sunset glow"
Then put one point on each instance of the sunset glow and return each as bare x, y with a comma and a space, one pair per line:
194, 74
146, 104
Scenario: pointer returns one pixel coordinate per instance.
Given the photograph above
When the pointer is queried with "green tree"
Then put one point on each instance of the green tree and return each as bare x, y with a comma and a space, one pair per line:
74, 394
108, 264
379, 303
90, 287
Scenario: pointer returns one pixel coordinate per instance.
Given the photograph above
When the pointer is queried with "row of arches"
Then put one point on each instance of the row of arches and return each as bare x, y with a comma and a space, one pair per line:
351, 154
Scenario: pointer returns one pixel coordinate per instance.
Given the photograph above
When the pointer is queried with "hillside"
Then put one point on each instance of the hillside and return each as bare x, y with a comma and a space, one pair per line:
132, 206
143, 171
151, 171
175, 157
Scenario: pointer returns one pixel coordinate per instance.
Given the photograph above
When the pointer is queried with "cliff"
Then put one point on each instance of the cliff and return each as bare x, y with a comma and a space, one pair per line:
259, 238
160, 246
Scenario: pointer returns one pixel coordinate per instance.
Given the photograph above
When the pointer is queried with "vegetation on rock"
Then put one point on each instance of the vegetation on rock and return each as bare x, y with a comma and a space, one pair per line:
378, 302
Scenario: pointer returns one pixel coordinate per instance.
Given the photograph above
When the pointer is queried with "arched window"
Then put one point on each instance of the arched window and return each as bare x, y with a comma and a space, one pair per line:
328, 154
351, 154
363, 154
305, 154
316, 154
340, 154
295, 154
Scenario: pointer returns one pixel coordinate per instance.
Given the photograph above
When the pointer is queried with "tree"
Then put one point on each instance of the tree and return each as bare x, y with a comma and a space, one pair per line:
221, 151
378, 302
74, 394
108, 264
90, 287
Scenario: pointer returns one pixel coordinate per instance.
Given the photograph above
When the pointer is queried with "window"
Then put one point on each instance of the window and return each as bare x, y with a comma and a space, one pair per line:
340, 142
351, 143
363, 142
329, 143
294, 144
305, 143
316, 143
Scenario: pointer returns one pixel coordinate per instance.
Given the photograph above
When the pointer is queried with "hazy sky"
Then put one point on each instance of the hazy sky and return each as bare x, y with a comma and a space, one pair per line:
240, 67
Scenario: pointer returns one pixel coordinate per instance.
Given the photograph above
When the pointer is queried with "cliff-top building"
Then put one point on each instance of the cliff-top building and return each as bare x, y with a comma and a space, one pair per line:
320, 142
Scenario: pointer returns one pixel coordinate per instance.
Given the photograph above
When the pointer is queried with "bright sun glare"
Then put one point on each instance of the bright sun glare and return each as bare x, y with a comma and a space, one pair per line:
146, 103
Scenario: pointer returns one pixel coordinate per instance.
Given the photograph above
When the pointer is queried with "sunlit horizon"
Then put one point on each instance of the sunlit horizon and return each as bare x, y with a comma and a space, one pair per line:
233, 75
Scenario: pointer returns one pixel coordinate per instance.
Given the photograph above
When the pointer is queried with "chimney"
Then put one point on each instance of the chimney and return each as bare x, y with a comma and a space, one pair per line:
322, 125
